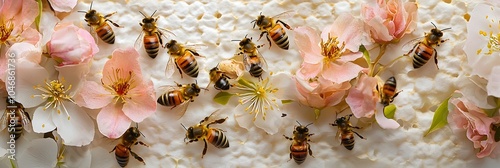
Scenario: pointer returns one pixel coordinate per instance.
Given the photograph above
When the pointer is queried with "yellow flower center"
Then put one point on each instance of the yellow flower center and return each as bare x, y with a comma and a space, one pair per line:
256, 95
493, 43
121, 85
331, 50
5, 30
55, 93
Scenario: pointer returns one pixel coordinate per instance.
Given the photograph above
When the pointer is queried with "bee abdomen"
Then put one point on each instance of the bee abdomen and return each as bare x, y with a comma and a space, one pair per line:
255, 70
222, 84
152, 45
106, 34
390, 86
18, 129
218, 139
122, 155
189, 65
299, 153
279, 37
170, 99
422, 54
348, 142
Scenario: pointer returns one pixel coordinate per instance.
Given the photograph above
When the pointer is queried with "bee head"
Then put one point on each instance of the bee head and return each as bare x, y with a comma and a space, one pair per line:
190, 133
171, 44
91, 13
132, 133
436, 32
195, 88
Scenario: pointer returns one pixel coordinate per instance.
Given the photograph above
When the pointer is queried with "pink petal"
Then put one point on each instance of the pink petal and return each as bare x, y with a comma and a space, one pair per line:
25, 51
31, 35
77, 129
382, 121
111, 121
362, 98
341, 73
63, 5
143, 105
93, 95
350, 57
307, 41
348, 29
126, 61
309, 71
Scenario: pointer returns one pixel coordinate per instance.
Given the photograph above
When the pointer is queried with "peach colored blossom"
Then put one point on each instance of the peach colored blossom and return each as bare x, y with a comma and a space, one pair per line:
389, 20
465, 115
70, 45
320, 93
63, 5
16, 17
124, 95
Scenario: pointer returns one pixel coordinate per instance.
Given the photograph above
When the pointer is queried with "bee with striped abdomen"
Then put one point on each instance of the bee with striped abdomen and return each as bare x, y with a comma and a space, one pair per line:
202, 131
219, 78
345, 131
300, 143
388, 92
179, 95
15, 119
271, 27
123, 149
254, 63
183, 58
425, 47
99, 25
151, 35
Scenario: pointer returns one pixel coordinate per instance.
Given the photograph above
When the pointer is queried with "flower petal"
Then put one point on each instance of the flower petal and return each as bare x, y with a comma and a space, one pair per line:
307, 41
40, 152
25, 51
143, 105
348, 29
93, 96
494, 82
341, 73
29, 74
382, 121
272, 123
77, 129
62, 5
111, 121
126, 61
42, 120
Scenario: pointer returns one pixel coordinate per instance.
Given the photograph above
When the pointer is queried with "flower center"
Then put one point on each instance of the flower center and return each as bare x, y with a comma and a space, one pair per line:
256, 95
331, 50
55, 93
121, 84
493, 43
5, 30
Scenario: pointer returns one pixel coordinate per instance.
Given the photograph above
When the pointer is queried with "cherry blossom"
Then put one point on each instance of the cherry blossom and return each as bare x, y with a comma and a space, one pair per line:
71, 45
63, 5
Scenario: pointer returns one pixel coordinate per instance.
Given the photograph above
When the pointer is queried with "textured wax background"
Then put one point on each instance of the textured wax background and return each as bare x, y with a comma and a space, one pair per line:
216, 23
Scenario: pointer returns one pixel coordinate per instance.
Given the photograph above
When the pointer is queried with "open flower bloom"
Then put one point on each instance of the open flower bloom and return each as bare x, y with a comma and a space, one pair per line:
71, 45
389, 20
364, 101
63, 5
465, 115
58, 110
260, 102
123, 94
320, 93
16, 17
327, 56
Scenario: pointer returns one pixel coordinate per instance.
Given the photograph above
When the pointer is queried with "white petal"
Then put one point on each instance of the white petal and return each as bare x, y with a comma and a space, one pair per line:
272, 123
42, 120
77, 129
474, 89
286, 86
40, 153
494, 82
102, 158
74, 74
77, 156
382, 121
243, 118
29, 74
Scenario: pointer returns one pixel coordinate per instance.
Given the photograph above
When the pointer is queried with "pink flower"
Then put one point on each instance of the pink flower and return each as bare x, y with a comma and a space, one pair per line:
364, 101
71, 45
328, 57
389, 20
63, 5
465, 115
16, 17
320, 93
123, 94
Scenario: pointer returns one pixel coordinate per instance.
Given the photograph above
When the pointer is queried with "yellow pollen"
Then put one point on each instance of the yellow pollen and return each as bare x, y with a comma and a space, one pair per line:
331, 50
43, 125
5, 30
493, 43
55, 93
120, 84
483, 33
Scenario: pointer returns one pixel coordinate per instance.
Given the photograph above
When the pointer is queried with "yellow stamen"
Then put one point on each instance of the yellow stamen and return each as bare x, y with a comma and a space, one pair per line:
120, 85
54, 92
331, 50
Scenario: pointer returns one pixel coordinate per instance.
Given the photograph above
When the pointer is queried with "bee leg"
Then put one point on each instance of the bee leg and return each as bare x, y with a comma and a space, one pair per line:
114, 24
178, 68
113, 149
334, 124
310, 151
269, 41
261, 34
284, 24
219, 121
413, 48
194, 53
108, 15
204, 149
290, 155
436, 59
288, 138
137, 157
142, 143
358, 135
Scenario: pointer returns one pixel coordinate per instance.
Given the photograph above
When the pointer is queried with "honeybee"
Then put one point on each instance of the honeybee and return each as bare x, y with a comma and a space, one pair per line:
123, 149
202, 131
254, 63
345, 131
270, 26
152, 35
220, 80
388, 92
300, 143
182, 57
15, 118
179, 95
99, 24
425, 47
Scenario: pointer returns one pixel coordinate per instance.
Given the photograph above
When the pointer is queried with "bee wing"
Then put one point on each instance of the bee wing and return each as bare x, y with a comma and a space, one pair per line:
94, 34
196, 46
182, 108
3, 120
26, 120
138, 42
411, 44
170, 69
263, 62
245, 61
164, 32
167, 88
285, 14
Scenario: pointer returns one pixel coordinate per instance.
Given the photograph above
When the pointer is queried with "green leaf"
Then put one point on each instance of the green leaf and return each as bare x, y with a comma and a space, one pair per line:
38, 18
366, 54
286, 101
389, 111
440, 117
12, 163
223, 97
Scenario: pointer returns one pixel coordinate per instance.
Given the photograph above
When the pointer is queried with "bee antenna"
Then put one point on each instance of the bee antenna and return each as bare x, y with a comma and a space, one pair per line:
235, 40
184, 127
446, 29
142, 14
82, 11
298, 122
309, 124
434, 25
153, 13
91, 3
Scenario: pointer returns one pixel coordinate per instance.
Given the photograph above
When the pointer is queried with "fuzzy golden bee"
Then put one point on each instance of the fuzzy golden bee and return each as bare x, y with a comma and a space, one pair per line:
151, 35
183, 58
424, 48
202, 131
388, 92
179, 95
300, 143
15, 119
123, 149
254, 63
345, 131
272, 27
99, 24
219, 78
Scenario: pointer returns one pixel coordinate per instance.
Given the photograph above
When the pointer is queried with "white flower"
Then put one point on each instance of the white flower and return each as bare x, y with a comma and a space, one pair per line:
260, 101
57, 111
